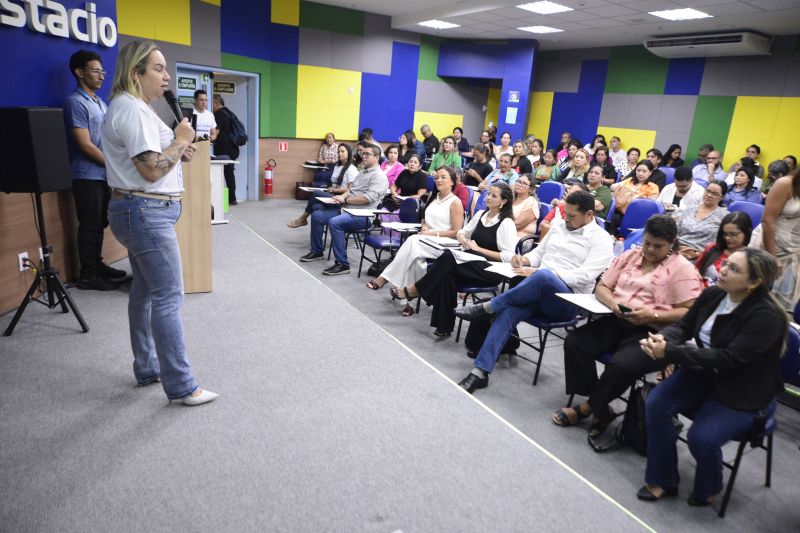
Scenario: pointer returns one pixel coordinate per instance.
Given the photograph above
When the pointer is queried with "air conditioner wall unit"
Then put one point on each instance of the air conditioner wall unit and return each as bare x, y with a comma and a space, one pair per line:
711, 45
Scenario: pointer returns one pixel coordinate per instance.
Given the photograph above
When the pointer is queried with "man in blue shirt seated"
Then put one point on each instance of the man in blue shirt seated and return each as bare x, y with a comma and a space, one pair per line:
84, 112
711, 170
569, 259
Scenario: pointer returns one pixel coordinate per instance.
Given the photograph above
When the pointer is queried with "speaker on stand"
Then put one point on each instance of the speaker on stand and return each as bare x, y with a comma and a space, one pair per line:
36, 138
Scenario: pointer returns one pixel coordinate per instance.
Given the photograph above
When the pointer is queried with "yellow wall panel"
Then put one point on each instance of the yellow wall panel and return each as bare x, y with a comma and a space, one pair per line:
767, 122
540, 110
286, 12
492, 107
154, 19
327, 100
441, 124
631, 138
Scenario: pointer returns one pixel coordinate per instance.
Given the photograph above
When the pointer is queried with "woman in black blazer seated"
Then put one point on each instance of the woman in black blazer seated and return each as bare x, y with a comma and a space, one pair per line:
724, 382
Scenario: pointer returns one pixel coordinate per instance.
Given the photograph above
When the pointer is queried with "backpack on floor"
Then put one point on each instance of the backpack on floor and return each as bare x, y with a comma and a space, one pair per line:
632, 431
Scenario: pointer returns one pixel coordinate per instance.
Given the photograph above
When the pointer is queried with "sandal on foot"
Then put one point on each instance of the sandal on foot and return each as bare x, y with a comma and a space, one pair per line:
399, 293
297, 223
560, 417
442, 334
599, 425
374, 285
407, 310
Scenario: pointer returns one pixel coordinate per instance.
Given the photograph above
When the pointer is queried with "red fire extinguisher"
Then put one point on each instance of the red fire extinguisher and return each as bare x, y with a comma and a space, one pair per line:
270, 164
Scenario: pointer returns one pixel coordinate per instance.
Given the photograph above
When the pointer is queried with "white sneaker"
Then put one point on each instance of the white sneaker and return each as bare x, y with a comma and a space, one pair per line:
205, 396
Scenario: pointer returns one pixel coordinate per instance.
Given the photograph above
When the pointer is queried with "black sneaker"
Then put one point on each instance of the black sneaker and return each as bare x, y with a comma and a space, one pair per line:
336, 270
311, 256
96, 283
105, 271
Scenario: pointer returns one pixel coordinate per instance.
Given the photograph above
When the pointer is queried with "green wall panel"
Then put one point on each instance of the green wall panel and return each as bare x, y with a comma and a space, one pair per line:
711, 123
429, 58
283, 100
258, 66
634, 70
331, 18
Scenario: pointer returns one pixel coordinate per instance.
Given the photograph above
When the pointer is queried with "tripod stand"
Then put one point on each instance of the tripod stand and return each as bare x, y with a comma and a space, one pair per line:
57, 294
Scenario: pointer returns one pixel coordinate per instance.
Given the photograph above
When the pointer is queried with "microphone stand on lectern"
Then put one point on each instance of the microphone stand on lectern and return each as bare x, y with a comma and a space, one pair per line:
57, 294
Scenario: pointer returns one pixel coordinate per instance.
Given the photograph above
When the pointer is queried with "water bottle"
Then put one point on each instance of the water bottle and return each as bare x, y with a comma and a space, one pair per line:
619, 247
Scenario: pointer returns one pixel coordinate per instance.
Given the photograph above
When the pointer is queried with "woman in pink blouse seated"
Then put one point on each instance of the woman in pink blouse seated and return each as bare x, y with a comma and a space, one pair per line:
646, 288
392, 167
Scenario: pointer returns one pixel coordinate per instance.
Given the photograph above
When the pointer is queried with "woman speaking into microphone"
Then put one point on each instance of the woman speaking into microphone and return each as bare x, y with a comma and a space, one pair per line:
143, 159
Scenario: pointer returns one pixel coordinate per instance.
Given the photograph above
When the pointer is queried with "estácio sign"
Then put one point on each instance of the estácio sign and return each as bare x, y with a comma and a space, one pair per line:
52, 18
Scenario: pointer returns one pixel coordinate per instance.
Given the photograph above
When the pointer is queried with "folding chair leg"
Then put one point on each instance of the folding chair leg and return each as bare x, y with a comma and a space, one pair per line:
768, 481
542, 345
460, 320
732, 479
570, 400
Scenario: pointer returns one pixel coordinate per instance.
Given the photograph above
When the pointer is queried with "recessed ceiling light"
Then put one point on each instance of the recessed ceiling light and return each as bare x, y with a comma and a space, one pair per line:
681, 14
540, 29
439, 24
545, 8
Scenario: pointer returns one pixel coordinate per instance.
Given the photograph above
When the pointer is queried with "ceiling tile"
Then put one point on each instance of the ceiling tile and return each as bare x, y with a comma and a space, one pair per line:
645, 6
738, 8
612, 11
771, 5
604, 23
573, 16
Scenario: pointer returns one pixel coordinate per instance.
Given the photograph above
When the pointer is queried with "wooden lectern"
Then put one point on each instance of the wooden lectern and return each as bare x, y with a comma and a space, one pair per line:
194, 226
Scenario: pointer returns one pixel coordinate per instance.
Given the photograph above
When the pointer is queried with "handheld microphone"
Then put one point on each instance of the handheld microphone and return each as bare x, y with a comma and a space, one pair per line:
169, 96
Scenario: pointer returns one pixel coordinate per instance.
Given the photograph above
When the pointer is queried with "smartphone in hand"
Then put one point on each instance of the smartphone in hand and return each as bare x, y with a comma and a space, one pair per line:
624, 308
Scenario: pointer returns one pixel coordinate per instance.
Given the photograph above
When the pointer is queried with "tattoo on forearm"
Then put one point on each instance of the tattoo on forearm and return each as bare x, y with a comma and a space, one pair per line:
163, 162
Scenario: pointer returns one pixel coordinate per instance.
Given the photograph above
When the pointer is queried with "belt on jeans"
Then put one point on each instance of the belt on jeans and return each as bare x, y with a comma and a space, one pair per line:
121, 193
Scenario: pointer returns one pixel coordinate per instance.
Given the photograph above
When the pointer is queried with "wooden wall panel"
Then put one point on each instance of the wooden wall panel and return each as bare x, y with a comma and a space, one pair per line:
18, 234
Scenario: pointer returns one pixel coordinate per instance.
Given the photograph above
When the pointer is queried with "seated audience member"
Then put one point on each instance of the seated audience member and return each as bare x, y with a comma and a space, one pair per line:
486, 139
365, 192
461, 190
629, 165
752, 152
742, 163
360, 147
779, 234
405, 149
504, 147
343, 175
462, 145
572, 149
599, 140
430, 141
448, 157
601, 158
479, 168
727, 378
658, 177
734, 234
328, 152
711, 170
556, 215
366, 136
392, 167
489, 236
535, 150
444, 216
411, 183
791, 161
503, 173
617, 155
697, 226
548, 169
743, 188
776, 169
578, 167
519, 160
419, 148
563, 147
702, 154
646, 288
569, 259
683, 192
626, 191
672, 157
525, 207
599, 190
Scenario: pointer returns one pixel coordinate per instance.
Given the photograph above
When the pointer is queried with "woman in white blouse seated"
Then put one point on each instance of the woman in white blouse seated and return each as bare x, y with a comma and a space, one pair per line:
444, 216
489, 236
343, 175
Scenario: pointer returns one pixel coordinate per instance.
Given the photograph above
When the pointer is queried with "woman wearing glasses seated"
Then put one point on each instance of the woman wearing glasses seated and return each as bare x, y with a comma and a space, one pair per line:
697, 226
727, 380
525, 207
733, 235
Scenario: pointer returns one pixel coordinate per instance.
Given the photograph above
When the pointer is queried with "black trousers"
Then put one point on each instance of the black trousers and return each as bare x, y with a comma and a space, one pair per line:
230, 182
586, 344
439, 286
91, 206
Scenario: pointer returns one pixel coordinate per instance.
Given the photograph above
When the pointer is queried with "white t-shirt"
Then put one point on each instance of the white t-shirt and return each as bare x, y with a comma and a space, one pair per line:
130, 128
618, 157
205, 123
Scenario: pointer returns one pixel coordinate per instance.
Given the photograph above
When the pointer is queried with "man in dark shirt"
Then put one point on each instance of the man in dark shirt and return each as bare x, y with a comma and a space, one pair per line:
224, 146
430, 141
654, 155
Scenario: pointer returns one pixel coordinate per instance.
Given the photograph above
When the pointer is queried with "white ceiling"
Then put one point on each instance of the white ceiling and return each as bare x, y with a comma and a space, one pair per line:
593, 23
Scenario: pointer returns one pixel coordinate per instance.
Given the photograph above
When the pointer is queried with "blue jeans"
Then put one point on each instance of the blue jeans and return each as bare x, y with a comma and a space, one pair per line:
534, 297
338, 224
691, 392
146, 228
313, 205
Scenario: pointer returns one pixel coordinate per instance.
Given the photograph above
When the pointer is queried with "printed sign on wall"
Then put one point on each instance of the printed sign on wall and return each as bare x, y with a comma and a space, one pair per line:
227, 87
283, 146
187, 84
513, 97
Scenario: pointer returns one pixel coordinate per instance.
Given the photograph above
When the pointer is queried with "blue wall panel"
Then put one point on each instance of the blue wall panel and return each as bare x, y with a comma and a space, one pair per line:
373, 112
244, 29
468, 60
684, 76
577, 113
39, 64
593, 76
405, 59
284, 43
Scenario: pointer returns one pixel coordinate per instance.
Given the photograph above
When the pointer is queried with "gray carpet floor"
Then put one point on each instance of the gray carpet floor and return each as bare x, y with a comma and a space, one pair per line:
335, 414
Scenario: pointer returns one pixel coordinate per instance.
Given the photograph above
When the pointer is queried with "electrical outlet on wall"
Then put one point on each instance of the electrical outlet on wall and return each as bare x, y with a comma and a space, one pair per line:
21, 260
